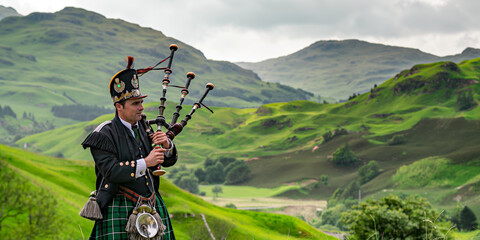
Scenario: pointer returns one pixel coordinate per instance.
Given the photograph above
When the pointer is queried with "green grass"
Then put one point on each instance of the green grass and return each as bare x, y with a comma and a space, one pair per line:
71, 181
245, 191
466, 235
434, 172
287, 127
282, 142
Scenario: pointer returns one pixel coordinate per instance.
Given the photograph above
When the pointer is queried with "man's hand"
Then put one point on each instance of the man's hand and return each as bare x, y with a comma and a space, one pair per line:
155, 157
160, 138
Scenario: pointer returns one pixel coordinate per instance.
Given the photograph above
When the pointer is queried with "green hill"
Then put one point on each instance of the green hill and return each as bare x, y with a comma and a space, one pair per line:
68, 58
71, 181
337, 69
283, 142
425, 91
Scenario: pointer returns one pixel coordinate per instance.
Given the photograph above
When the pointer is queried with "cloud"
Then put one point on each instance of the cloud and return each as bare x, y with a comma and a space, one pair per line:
253, 30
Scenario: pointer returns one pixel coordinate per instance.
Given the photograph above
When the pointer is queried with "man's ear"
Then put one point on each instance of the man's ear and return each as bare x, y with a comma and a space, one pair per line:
118, 106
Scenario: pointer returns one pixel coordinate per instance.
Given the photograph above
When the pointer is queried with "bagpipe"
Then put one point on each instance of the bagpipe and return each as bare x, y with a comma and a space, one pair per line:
173, 128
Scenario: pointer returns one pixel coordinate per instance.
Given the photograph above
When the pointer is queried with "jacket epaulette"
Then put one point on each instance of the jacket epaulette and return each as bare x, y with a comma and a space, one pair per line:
100, 140
99, 127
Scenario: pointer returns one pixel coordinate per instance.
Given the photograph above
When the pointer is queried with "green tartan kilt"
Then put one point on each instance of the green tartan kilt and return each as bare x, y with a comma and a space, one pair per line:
115, 218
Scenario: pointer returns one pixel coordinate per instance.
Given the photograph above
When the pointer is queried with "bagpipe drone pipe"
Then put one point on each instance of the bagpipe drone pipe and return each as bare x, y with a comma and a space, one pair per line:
173, 128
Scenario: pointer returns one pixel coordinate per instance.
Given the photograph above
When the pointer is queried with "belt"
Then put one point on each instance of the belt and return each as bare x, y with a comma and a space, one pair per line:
135, 197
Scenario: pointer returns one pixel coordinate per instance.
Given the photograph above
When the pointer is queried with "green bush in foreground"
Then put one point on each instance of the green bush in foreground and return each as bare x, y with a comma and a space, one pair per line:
395, 218
26, 211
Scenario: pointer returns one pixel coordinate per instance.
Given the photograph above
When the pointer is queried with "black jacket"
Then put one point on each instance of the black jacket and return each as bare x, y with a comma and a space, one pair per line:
115, 152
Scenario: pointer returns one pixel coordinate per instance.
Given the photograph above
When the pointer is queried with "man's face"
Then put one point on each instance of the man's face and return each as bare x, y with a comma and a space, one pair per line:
132, 110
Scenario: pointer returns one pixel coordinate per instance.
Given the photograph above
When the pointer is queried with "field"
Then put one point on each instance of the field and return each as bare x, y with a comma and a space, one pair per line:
263, 199
287, 148
71, 181
283, 143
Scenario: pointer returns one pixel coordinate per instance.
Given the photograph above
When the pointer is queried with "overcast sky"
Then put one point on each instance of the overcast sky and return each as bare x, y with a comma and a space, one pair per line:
255, 30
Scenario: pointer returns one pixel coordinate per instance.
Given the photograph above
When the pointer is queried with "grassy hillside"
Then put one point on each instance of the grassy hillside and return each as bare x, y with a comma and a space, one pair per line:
68, 57
282, 142
71, 181
337, 69
425, 91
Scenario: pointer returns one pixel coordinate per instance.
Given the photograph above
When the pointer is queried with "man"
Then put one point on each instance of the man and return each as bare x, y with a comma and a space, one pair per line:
124, 157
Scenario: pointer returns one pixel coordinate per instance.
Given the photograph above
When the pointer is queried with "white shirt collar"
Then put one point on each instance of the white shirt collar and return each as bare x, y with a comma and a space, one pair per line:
128, 125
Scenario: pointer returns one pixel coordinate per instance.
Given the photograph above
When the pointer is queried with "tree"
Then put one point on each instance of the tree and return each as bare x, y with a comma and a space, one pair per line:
208, 162
465, 100
347, 195
231, 205
324, 179
332, 215
177, 170
188, 182
231, 165
395, 218
200, 174
226, 160
327, 136
7, 111
344, 156
239, 173
368, 172
351, 190
216, 190
12, 191
215, 173
397, 139
42, 218
468, 220
81, 113
31, 211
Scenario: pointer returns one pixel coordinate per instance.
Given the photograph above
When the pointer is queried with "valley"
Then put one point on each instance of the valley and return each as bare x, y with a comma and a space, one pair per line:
415, 116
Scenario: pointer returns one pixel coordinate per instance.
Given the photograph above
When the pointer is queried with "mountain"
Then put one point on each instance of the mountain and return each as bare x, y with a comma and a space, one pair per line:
428, 90
285, 143
337, 69
70, 182
68, 57
7, 12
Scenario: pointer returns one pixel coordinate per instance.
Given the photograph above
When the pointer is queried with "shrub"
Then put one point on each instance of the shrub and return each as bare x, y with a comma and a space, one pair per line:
238, 173
189, 183
324, 179
368, 172
465, 100
337, 132
343, 156
397, 139
215, 173
231, 205
432, 172
200, 174
468, 220
216, 190
28, 211
327, 136
395, 218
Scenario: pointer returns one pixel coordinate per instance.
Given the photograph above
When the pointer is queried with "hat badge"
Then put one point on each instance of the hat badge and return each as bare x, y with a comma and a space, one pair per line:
135, 81
119, 85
